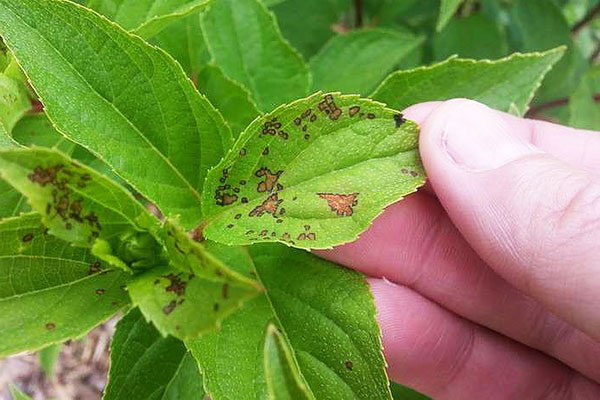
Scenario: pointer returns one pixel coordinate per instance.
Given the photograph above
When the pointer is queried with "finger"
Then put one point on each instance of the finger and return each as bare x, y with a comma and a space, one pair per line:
533, 218
578, 147
415, 244
446, 357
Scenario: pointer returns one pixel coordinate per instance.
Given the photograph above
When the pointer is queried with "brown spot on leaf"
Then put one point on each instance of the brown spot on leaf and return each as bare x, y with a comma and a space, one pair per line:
50, 326
28, 238
371, 116
95, 268
269, 206
341, 204
265, 151
269, 181
399, 120
100, 292
177, 285
168, 309
329, 107
349, 365
354, 110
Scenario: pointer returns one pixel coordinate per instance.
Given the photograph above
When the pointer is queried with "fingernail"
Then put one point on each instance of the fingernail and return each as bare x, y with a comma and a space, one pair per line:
479, 139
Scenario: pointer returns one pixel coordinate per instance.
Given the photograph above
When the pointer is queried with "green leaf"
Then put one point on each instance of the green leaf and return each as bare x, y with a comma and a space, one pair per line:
77, 204
14, 102
37, 130
500, 84
400, 392
457, 39
327, 314
357, 62
184, 41
584, 109
230, 98
312, 174
537, 25
134, 108
48, 357
186, 305
321, 16
146, 365
12, 203
50, 291
146, 18
284, 380
447, 10
244, 40
17, 394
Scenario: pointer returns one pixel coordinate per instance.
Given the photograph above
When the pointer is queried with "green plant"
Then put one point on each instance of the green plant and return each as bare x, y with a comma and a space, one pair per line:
185, 193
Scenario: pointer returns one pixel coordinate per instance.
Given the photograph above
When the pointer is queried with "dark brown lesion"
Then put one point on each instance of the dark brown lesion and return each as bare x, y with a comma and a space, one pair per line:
341, 204
27, 238
272, 128
269, 206
399, 120
269, 181
329, 107
176, 284
307, 236
354, 110
169, 308
50, 326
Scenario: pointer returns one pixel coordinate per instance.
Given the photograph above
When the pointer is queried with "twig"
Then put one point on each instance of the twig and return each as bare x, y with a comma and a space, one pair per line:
585, 20
535, 110
358, 13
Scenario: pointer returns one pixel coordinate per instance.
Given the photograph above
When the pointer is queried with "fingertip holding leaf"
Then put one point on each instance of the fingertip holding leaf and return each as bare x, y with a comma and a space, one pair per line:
313, 173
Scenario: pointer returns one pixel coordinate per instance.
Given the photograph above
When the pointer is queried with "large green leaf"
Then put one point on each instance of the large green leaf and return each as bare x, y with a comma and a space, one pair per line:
146, 18
313, 173
127, 101
284, 381
77, 204
184, 40
230, 98
537, 25
505, 84
357, 62
447, 10
49, 290
245, 42
476, 36
327, 314
186, 305
309, 37
146, 365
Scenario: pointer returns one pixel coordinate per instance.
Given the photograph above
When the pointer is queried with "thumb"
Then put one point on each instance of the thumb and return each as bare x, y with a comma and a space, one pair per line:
533, 218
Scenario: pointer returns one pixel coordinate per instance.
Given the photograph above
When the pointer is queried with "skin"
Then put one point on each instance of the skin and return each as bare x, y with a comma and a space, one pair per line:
487, 281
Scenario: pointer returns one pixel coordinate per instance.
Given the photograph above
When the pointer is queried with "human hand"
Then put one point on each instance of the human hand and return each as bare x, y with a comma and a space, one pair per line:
492, 271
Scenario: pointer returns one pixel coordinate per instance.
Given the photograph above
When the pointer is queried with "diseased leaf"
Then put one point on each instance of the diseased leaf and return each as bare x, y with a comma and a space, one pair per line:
476, 36
499, 84
49, 290
328, 316
284, 380
308, 24
146, 365
146, 18
358, 61
584, 109
539, 25
447, 10
231, 99
76, 203
184, 40
312, 174
244, 40
127, 101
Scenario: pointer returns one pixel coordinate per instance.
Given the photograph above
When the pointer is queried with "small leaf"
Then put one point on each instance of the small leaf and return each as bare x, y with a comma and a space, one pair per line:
498, 83
284, 381
327, 314
146, 18
14, 102
447, 10
37, 130
49, 290
185, 305
400, 392
357, 62
231, 99
312, 174
48, 357
244, 40
17, 394
77, 204
146, 365
134, 109
584, 110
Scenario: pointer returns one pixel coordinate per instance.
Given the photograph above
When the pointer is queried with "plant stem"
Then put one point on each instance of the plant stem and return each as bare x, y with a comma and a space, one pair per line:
535, 110
586, 20
358, 13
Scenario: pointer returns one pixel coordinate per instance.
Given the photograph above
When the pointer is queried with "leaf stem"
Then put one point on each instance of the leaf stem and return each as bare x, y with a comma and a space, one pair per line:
535, 110
586, 19
358, 13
